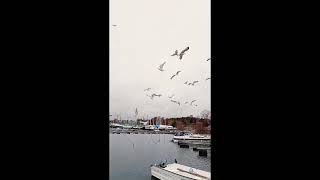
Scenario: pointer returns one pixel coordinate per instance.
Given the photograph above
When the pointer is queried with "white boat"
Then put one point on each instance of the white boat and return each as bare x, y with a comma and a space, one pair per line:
149, 127
189, 136
178, 172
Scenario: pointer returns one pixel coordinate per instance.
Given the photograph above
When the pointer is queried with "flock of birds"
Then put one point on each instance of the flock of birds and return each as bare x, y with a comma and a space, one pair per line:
161, 68
191, 83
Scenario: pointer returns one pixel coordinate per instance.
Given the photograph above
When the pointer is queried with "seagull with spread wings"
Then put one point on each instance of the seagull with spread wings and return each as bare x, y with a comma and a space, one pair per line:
159, 95
161, 66
175, 74
192, 102
194, 82
209, 59
175, 102
183, 52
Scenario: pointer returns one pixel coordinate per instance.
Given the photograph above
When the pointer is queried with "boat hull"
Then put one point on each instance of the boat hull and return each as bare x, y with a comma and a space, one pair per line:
177, 171
166, 175
191, 138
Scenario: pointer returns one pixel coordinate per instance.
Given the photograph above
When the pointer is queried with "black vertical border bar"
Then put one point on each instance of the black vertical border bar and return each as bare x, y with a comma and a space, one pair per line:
106, 87
213, 77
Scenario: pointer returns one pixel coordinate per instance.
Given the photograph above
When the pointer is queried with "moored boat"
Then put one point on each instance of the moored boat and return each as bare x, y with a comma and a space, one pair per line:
185, 135
177, 171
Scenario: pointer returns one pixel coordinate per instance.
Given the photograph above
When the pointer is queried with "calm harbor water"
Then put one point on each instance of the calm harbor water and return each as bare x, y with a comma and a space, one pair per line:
132, 154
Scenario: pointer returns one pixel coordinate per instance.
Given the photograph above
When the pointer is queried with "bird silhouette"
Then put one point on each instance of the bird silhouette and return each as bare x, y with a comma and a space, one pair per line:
183, 52
186, 82
175, 74
159, 95
192, 102
171, 96
175, 53
194, 82
161, 66
173, 101
147, 89
208, 78
209, 59
151, 97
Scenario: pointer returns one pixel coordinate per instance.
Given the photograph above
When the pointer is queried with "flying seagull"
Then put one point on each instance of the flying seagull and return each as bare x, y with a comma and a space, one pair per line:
186, 82
175, 53
192, 102
173, 101
183, 52
194, 82
151, 97
209, 59
175, 74
156, 95
189, 84
171, 96
161, 66
208, 78
147, 89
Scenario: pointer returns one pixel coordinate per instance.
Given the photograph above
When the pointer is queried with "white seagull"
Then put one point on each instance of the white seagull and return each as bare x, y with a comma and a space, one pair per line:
161, 66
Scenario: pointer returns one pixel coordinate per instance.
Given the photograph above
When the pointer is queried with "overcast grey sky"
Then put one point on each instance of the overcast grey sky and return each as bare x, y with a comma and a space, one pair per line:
147, 33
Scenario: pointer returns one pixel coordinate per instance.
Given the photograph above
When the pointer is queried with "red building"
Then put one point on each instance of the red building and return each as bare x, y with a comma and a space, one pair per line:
180, 125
